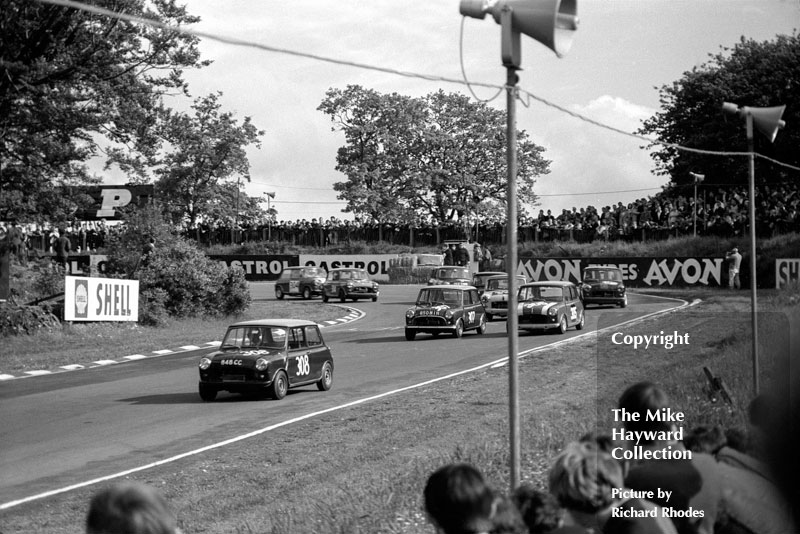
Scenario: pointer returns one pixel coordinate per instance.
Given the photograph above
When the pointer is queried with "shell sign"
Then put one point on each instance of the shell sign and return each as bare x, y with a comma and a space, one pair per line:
100, 299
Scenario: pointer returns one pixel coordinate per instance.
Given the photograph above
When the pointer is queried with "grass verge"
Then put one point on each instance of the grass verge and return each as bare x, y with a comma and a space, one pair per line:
361, 469
80, 343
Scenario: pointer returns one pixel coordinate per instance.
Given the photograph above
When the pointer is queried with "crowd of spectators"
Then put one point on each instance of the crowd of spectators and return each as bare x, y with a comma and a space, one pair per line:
721, 211
724, 485
31, 241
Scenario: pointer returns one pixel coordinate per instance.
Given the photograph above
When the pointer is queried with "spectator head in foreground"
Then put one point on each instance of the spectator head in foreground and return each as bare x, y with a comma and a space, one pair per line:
130, 508
583, 476
641, 398
458, 500
540, 510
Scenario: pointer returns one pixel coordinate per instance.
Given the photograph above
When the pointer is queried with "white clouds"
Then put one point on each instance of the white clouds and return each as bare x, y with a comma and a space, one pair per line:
587, 158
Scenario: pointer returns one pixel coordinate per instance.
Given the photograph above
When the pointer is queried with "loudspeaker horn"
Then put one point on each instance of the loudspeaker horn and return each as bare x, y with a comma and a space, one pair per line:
551, 22
767, 120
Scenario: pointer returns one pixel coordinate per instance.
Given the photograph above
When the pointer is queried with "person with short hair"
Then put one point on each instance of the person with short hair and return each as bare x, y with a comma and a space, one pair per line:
458, 500
588, 482
541, 512
130, 508
694, 484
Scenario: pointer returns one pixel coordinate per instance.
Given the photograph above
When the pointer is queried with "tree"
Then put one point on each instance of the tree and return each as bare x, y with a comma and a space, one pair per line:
178, 279
433, 158
203, 151
750, 74
70, 80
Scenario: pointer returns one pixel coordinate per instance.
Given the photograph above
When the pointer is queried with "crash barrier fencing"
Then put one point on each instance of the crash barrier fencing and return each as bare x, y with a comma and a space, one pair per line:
416, 268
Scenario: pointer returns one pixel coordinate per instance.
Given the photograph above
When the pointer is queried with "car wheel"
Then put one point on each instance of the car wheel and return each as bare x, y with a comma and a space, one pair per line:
207, 393
489, 316
307, 293
459, 331
582, 322
562, 325
410, 334
278, 293
325, 297
279, 387
326, 381
482, 326
623, 302
342, 295
374, 299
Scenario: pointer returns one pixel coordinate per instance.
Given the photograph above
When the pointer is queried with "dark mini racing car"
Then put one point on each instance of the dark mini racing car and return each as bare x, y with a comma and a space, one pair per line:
449, 309
450, 275
554, 306
603, 285
267, 357
300, 281
346, 283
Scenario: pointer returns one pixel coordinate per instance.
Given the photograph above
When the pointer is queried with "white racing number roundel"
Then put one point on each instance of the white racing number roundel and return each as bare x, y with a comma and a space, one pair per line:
303, 367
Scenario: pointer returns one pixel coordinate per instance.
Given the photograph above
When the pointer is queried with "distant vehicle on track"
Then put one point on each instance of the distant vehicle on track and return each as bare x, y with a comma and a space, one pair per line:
446, 309
304, 282
267, 357
450, 275
553, 306
603, 285
346, 283
495, 296
479, 279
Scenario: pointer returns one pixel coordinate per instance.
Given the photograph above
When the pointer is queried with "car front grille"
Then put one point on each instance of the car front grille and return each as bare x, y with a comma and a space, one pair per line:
534, 319
429, 321
499, 304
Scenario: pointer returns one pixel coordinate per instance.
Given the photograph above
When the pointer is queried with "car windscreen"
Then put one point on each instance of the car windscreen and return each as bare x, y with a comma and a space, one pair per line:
546, 293
312, 272
434, 297
602, 275
452, 274
254, 337
495, 284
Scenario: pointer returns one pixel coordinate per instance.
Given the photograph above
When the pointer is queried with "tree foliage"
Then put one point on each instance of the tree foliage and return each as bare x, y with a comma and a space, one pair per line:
756, 74
433, 158
70, 80
203, 151
178, 279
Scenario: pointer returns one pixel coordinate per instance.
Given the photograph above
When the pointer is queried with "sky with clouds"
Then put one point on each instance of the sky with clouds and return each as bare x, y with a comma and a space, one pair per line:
623, 51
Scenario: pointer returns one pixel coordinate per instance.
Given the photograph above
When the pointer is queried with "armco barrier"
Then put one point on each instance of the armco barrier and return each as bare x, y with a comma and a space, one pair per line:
636, 271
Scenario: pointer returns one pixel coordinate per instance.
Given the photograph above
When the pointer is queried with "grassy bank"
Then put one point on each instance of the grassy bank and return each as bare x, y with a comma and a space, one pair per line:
361, 469
80, 343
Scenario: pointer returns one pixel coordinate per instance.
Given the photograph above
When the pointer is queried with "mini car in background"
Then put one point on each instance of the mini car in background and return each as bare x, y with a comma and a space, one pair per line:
603, 285
554, 306
267, 357
479, 279
495, 296
347, 283
300, 281
446, 309
450, 275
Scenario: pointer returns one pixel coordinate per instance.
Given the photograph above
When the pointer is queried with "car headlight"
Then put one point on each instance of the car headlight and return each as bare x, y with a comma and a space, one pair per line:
261, 364
551, 312
448, 314
431, 281
409, 314
349, 285
205, 363
485, 300
586, 287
